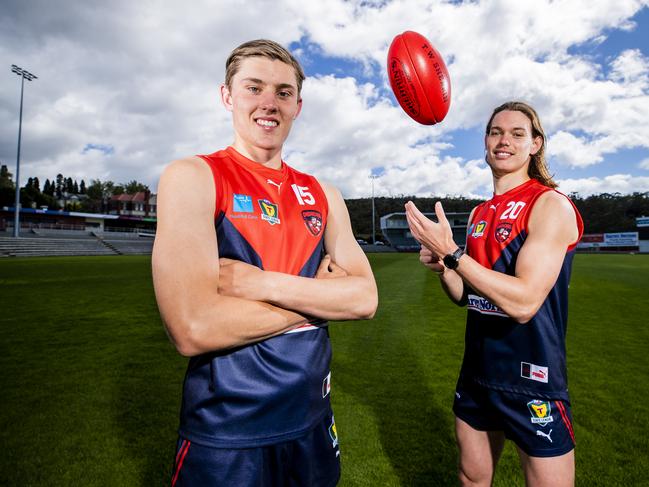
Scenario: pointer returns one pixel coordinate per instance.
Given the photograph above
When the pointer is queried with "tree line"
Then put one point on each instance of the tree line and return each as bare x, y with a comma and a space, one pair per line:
606, 212
63, 193
602, 213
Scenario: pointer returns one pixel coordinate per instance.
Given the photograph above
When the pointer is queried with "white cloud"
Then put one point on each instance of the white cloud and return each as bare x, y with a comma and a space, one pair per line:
135, 77
615, 183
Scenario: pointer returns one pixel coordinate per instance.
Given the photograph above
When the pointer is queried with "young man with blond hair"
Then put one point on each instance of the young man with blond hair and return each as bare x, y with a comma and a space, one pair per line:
251, 258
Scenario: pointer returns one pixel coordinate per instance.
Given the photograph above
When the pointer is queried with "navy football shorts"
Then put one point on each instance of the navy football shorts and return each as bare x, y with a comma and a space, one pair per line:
312, 460
539, 427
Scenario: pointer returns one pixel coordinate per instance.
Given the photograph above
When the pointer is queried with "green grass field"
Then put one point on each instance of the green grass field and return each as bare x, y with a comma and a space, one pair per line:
91, 386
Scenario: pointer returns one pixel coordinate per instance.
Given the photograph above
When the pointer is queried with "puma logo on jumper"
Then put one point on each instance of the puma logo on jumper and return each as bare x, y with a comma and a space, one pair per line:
279, 186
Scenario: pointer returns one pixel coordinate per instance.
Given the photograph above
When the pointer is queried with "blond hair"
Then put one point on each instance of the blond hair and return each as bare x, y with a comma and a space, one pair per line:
538, 168
261, 48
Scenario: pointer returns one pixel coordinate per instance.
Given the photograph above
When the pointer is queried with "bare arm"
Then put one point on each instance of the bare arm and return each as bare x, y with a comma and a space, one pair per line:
186, 271
552, 228
348, 297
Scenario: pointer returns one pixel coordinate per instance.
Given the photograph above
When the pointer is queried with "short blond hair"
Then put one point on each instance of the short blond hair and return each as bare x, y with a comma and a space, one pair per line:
261, 48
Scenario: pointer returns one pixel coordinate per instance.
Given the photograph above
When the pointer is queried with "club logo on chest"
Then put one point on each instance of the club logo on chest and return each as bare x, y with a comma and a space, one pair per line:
313, 221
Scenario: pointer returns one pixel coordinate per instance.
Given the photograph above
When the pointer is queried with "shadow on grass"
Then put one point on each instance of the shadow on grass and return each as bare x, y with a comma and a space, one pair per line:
415, 433
147, 412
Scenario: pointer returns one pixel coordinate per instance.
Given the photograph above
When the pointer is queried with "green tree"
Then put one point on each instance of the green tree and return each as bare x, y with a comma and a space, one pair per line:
7, 188
82, 187
59, 186
133, 187
5, 178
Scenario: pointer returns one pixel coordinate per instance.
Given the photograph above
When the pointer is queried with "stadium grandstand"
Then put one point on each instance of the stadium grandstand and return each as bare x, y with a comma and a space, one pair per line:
129, 229
396, 232
47, 233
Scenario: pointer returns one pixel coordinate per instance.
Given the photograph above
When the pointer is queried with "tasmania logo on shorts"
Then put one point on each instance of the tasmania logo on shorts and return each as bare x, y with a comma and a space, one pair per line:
541, 412
534, 372
479, 229
333, 434
503, 231
313, 221
269, 211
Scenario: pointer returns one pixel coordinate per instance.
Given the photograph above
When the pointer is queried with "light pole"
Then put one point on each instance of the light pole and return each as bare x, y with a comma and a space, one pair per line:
373, 177
24, 75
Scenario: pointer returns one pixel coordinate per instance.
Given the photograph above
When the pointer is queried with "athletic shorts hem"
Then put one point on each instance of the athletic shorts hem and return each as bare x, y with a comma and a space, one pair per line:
546, 453
471, 422
252, 442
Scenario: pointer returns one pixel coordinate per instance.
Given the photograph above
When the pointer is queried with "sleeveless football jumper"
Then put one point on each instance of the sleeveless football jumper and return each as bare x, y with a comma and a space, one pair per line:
277, 389
501, 353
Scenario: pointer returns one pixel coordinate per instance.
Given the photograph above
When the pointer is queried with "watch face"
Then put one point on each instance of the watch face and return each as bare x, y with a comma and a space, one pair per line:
450, 261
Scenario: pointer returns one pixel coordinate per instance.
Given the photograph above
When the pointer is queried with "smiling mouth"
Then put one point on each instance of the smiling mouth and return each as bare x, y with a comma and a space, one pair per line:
267, 123
501, 154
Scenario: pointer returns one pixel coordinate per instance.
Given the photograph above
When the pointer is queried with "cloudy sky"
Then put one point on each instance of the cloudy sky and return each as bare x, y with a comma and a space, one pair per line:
124, 87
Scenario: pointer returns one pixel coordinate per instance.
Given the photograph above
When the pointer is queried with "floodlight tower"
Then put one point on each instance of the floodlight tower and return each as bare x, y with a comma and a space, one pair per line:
24, 75
373, 177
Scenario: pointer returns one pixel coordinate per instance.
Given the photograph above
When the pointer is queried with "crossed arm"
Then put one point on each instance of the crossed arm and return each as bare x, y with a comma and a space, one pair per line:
352, 295
552, 228
199, 314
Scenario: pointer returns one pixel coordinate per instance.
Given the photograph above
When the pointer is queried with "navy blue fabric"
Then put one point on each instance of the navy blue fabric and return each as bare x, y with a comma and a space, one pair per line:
497, 346
263, 393
490, 410
310, 461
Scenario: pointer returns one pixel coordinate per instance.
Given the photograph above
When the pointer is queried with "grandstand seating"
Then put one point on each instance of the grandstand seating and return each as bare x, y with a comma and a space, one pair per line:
27, 247
53, 243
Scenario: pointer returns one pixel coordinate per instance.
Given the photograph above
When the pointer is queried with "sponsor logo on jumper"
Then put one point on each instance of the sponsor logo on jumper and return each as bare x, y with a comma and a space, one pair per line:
541, 412
493, 207
326, 385
313, 221
243, 216
242, 203
484, 306
503, 231
547, 435
479, 229
333, 434
534, 372
269, 211
279, 186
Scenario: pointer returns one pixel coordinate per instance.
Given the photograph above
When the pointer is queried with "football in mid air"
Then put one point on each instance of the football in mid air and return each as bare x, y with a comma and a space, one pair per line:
419, 78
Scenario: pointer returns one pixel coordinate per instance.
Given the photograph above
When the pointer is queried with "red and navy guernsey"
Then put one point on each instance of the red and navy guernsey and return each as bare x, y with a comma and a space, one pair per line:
500, 353
277, 389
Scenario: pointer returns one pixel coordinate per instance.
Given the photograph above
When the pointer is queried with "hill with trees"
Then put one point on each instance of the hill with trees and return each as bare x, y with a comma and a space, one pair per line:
601, 213
604, 212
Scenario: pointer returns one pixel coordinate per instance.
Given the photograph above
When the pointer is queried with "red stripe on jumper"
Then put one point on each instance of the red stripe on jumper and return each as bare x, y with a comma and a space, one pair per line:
566, 420
179, 465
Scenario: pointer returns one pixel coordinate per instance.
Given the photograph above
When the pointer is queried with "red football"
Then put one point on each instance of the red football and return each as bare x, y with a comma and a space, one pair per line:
419, 78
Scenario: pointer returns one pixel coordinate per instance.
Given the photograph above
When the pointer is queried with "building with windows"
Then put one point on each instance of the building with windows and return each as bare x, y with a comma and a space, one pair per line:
394, 227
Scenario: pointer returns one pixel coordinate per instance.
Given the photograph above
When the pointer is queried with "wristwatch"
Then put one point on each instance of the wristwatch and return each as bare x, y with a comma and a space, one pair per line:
451, 261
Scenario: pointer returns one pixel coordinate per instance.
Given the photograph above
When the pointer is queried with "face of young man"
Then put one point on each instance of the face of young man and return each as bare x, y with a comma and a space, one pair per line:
264, 101
509, 143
